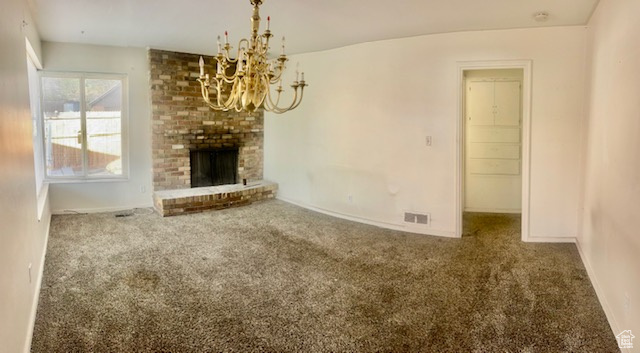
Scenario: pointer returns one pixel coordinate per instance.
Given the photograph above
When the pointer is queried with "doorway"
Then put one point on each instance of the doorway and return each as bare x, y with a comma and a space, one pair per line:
493, 141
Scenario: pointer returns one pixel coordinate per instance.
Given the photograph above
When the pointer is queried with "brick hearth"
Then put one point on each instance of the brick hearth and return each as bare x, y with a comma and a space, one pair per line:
175, 202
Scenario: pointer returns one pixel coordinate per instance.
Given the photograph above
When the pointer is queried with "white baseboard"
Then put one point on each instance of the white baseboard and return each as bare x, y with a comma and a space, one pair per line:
613, 323
36, 295
532, 239
99, 209
386, 225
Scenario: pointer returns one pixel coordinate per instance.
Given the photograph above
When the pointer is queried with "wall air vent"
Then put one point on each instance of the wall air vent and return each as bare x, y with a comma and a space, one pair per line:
419, 218
422, 218
410, 217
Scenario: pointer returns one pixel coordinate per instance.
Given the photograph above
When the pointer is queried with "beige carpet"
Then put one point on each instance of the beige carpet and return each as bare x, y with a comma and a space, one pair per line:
272, 277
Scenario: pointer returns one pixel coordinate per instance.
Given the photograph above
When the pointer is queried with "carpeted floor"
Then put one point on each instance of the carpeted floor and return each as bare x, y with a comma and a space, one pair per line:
272, 277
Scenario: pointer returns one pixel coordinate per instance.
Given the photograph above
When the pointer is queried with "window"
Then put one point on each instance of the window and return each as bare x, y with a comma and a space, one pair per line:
84, 119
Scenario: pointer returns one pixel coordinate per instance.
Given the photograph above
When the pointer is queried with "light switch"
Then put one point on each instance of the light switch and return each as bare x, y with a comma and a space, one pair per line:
428, 140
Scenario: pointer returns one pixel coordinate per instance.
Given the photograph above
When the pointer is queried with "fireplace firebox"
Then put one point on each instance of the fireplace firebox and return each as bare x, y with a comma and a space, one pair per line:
212, 167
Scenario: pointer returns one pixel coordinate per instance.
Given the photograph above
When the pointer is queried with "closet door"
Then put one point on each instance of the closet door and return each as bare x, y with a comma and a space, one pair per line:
507, 103
480, 103
493, 146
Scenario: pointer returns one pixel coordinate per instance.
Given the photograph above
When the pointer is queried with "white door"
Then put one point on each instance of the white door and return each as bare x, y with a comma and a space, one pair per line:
493, 146
507, 103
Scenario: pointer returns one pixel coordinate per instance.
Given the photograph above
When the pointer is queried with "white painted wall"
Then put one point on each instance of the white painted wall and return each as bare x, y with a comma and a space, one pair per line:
609, 239
361, 129
98, 196
22, 237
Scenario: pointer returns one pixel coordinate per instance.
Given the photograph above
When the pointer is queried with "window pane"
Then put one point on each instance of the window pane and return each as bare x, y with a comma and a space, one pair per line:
63, 130
104, 140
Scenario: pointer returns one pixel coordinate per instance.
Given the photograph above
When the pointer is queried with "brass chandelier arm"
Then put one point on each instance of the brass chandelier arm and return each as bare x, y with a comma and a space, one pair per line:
277, 73
205, 94
232, 101
273, 107
271, 103
219, 105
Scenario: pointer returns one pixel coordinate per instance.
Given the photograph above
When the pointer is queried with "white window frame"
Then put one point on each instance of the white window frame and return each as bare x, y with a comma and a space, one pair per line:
124, 125
42, 186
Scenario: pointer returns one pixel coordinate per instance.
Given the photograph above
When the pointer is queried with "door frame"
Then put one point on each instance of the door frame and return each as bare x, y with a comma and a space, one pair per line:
526, 66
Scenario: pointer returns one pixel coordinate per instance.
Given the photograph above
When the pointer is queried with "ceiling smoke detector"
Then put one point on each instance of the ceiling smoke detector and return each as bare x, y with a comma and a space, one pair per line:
541, 16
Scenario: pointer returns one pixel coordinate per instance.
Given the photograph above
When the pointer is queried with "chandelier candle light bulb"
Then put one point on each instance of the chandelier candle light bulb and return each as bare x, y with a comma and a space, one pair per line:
248, 88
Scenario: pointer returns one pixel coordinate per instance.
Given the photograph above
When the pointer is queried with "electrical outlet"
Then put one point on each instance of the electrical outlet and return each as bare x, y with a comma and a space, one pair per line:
627, 302
427, 140
350, 198
143, 189
29, 272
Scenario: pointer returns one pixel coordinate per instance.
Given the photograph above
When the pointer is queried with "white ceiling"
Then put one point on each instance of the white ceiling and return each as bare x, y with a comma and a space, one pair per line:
309, 25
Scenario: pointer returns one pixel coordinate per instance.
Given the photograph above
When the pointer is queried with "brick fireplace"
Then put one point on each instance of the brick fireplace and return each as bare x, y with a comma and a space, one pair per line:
183, 123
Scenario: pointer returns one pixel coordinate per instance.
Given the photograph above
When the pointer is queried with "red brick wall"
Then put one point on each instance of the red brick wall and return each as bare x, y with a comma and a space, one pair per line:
182, 121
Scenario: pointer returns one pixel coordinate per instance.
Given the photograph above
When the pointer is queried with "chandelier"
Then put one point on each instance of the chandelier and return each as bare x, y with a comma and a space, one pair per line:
244, 83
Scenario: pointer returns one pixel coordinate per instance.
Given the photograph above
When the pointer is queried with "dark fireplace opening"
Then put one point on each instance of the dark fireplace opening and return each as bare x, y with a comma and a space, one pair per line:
214, 167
